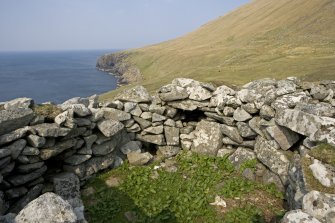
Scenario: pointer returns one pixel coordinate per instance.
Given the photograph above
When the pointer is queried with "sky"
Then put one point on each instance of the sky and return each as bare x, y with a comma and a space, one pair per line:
37, 25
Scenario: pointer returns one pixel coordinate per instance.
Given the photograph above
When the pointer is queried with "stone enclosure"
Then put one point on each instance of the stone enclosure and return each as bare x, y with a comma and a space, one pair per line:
275, 122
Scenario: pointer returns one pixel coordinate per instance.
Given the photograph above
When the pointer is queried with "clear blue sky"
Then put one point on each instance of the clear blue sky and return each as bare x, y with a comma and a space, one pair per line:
101, 24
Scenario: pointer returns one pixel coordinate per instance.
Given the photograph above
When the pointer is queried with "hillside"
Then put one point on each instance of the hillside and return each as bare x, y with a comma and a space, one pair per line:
265, 38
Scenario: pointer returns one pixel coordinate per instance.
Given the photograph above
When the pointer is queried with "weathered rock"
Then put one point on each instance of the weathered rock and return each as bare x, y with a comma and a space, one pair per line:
319, 109
154, 139
318, 204
250, 108
106, 147
19, 103
89, 140
240, 156
315, 127
171, 112
274, 159
16, 192
138, 159
134, 128
267, 112
154, 130
132, 146
290, 100
31, 195
15, 135
36, 141
50, 130
114, 114
15, 118
223, 89
199, 93
49, 207
110, 127
319, 92
208, 138
77, 159
298, 216
245, 131
19, 180
8, 218
324, 173
232, 133
167, 151
241, 115
27, 168
30, 151
172, 93
188, 105
285, 87
142, 122
146, 115
158, 118
283, 136
171, 135
47, 153
137, 94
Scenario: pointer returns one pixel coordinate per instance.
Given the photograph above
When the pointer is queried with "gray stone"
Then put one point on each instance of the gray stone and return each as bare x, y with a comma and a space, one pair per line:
15, 135
19, 103
171, 112
167, 151
78, 109
208, 138
129, 123
171, 135
31, 195
106, 147
323, 172
290, 100
274, 159
142, 122
245, 131
157, 109
134, 128
315, 127
4, 153
283, 136
76, 100
137, 94
114, 114
27, 168
132, 146
77, 159
188, 105
170, 122
318, 204
240, 156
250, 108
285, 87
19, 180
89, 140
199, 93
138, 159
110, 127
66, 185
154, 130
232, 133
85, 151
319, 92
241, 115
82, 122
228, 111
146, 115
15, 192
13, 119
7, 169
8, 218
36, 141
30, 151
298, 216
50, 130
172, 93
154, 139
62, 117
267, 112
319, 109
47, 153
157, 117
47, 208
4, 161
38, 119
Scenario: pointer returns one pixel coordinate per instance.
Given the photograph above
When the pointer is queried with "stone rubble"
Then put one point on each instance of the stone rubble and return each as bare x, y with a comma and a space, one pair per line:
273, 122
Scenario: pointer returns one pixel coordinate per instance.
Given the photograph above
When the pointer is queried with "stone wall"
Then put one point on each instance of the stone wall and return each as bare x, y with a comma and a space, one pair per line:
275, 122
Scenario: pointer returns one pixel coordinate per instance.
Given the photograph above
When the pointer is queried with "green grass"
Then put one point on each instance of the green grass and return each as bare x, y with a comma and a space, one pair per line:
262, 39
49, 111
325, 153
182, 196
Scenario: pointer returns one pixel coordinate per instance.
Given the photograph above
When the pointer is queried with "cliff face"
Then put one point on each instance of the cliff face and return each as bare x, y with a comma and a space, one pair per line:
118, 65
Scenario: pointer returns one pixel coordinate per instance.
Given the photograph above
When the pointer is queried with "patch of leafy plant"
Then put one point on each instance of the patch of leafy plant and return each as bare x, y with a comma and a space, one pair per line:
157, 195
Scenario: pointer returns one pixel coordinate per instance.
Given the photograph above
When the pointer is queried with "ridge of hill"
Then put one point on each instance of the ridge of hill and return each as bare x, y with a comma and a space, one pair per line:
264, 38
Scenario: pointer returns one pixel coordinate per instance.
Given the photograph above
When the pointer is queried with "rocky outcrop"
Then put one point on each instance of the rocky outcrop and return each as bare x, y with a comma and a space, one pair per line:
273, 122
117, 64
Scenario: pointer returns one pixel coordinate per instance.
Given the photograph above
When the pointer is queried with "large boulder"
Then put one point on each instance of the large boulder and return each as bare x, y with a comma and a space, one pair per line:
14, 118
274, 159
319, 205
208, 138
110, 127
298, 216
19, 103
115, 114
172, 93
48, 207
323, 172
137, 94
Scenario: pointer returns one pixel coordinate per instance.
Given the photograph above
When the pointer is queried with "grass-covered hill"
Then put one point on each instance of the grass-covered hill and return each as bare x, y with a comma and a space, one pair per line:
265, 38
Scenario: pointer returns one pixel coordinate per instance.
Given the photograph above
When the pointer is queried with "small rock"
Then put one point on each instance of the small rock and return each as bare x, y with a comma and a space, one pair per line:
241, 115
138, 159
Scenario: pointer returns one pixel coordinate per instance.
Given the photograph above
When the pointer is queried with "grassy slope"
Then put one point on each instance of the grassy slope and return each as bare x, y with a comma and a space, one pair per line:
265, 38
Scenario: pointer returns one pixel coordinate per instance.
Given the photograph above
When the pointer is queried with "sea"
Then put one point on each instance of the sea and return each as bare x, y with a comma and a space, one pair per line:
53, 76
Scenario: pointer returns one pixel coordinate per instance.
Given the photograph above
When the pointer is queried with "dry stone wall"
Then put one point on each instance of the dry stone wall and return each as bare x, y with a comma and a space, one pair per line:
274, 122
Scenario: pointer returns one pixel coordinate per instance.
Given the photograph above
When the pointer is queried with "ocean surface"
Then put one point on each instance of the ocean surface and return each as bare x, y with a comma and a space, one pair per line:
52, 76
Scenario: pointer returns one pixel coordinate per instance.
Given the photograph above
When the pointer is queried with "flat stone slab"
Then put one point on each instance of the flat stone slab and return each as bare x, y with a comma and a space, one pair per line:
13, 119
